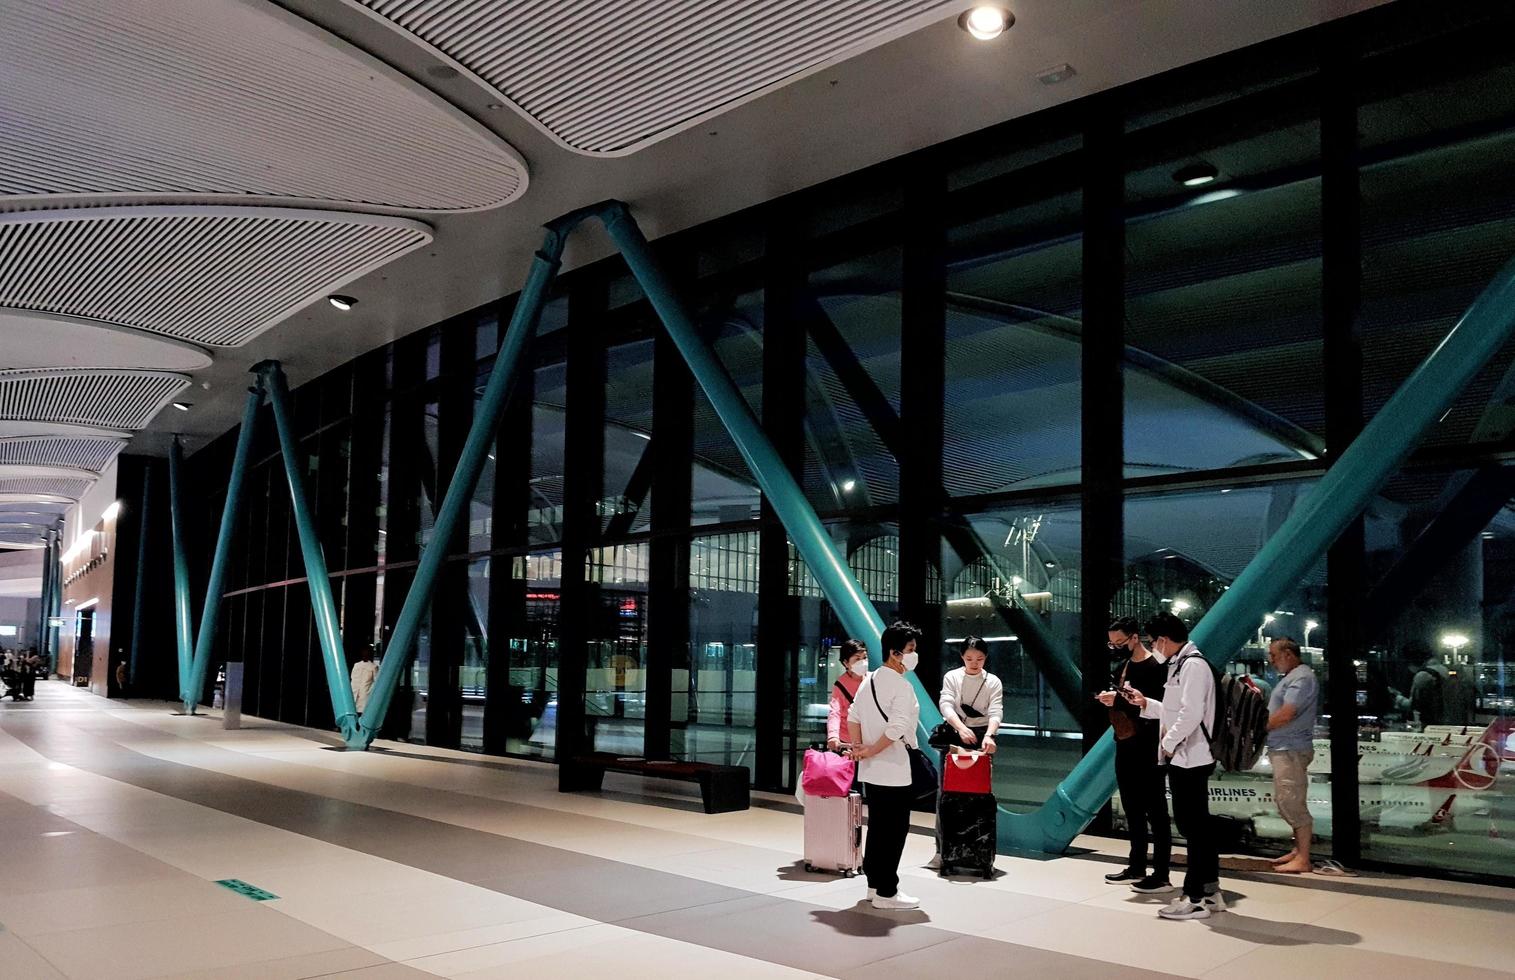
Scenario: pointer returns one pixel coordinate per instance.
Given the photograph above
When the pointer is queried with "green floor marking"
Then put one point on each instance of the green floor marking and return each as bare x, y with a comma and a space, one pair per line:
243, 888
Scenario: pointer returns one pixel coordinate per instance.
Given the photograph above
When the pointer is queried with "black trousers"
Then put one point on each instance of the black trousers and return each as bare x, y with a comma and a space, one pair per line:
1191, 811
1144, 798
888, 826
28, 684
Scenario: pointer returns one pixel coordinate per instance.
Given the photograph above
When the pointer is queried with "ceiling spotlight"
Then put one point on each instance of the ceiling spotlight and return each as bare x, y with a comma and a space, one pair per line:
182, 406
343, 303
1196, 174
849, 486
986, 21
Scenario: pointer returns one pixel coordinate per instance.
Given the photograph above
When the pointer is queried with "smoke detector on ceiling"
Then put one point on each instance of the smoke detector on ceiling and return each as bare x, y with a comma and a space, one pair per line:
1055, 74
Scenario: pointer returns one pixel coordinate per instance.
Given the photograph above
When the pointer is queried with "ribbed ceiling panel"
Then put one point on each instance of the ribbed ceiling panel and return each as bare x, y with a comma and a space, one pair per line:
58, 487
210, 97
607, 77
112, 399
211, 276
85, 454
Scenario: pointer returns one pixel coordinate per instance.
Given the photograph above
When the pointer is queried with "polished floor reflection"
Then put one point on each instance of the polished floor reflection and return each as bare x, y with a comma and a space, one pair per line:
141, 844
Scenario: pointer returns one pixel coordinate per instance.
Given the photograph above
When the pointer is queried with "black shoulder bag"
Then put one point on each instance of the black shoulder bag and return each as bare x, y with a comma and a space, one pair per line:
923, 776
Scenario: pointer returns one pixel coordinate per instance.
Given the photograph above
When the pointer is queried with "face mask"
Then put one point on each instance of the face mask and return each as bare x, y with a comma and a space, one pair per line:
911, 659
858, 668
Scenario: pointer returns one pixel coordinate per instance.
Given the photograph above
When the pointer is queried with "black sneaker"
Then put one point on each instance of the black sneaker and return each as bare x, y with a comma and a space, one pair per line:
1123, 876
1153, 885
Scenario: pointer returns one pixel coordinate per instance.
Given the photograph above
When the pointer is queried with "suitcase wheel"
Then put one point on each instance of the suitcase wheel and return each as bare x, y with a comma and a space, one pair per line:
849, 873
988, 874
808, 867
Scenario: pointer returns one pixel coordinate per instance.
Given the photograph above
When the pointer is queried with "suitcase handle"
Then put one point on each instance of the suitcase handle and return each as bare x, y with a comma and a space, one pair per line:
972, 757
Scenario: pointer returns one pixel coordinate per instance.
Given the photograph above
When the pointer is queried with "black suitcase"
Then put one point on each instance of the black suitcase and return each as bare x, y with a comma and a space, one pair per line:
970, 828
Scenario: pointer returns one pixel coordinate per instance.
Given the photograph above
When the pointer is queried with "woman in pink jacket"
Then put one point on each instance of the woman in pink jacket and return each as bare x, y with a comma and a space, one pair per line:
854, 669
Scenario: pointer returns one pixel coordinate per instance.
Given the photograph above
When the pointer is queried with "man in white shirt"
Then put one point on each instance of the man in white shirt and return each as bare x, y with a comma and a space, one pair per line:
363, 674
881, 723
1184, 716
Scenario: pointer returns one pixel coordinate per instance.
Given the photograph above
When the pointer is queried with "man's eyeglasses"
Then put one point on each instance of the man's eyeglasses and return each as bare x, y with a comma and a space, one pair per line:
1123, 644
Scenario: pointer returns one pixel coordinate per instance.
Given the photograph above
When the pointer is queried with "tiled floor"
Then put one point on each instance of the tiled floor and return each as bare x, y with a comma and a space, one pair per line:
119, 819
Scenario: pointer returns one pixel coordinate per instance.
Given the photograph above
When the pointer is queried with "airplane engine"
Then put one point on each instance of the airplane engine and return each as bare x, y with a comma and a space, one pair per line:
1271, 828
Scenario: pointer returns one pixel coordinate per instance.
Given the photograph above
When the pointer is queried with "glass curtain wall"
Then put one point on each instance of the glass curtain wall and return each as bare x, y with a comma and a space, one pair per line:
1153, 288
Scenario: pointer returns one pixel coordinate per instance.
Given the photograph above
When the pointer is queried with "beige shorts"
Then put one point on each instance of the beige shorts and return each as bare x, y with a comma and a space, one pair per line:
1291, 780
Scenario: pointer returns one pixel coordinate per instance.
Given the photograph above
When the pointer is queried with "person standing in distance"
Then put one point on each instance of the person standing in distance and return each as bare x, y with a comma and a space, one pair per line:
1183, 716
854, 660
881, 724
1291, 747
1140, 778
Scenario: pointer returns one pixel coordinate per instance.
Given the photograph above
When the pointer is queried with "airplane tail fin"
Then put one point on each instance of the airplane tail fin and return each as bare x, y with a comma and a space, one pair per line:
1478, 769
1444, 812
1500, 736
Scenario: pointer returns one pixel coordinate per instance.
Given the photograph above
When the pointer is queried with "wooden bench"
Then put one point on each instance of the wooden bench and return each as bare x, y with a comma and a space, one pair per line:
724, 789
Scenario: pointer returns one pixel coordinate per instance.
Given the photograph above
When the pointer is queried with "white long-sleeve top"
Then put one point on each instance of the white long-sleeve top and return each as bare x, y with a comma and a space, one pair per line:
896, 697
1188, 699
983, 691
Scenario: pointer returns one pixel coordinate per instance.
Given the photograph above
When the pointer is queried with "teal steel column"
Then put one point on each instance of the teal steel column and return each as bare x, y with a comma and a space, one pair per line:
825, 559
206, 637
44, 607
139, 591
523, 325
1337, 500
55, 610
322, 608
183, 629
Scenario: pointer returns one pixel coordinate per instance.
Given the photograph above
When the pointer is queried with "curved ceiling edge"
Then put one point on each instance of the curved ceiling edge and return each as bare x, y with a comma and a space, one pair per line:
36, 498
14, 339
18, 429
107, 399
30, 471
908, 26
224, 153
306, 254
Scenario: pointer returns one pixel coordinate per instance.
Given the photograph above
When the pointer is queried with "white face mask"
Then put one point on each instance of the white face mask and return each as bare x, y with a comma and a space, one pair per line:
911, 659
858, 668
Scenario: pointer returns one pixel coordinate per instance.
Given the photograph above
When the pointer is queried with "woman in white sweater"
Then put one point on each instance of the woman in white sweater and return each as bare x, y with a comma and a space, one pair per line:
973, 700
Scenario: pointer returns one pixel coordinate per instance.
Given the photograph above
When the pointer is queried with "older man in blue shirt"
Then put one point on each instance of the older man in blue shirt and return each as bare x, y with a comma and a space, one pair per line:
1292, 711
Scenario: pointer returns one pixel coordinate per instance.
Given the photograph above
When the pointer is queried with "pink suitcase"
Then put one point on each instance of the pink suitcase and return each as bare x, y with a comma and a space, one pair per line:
834, 833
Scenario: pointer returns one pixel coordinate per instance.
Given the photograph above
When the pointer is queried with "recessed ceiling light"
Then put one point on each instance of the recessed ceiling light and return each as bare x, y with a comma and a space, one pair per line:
182, 406
849, 486
986, 21
343, 303
1196, 174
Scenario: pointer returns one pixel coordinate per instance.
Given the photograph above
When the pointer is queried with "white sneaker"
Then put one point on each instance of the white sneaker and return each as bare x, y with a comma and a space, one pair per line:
1182, 908
935, 864
899, 902
872, 894
1215, 903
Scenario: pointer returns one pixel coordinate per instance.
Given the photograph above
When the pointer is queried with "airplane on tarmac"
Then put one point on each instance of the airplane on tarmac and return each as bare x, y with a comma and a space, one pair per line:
1415, 785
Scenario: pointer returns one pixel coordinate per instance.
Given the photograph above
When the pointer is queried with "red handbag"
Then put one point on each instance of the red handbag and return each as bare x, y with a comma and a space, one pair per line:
967, 772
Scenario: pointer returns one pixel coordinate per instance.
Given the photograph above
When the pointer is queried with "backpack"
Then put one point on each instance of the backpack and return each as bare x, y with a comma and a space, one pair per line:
1238, 730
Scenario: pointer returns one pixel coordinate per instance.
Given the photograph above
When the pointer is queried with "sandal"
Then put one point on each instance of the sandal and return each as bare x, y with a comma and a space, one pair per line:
1334, 869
